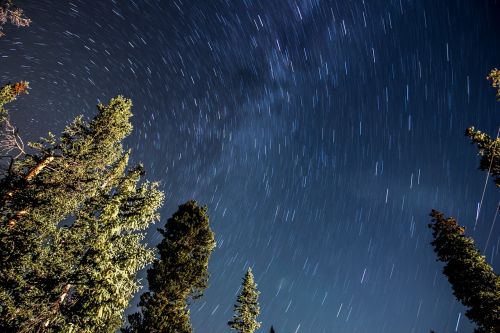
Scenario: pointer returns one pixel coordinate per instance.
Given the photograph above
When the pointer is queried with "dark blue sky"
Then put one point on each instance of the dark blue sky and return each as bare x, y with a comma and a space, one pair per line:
319, 133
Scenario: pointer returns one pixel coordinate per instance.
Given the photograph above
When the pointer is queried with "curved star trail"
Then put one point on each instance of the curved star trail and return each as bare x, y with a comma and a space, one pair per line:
319, 133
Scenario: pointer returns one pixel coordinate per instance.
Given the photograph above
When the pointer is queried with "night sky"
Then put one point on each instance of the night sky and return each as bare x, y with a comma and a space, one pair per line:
320, 133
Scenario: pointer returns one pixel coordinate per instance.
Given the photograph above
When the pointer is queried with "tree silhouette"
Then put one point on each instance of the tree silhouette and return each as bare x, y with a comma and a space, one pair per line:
179, 276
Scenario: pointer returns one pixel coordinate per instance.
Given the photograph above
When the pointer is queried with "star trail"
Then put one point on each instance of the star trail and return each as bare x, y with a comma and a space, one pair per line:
319, 133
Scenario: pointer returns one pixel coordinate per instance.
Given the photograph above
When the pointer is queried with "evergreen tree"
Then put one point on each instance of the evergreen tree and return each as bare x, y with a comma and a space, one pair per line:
247, 308
179, 276
272, 330
473, 280
69, 216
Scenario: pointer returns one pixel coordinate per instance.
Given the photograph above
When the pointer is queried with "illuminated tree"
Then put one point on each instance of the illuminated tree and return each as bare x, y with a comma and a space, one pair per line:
71, 212
489, 148
9, 12
11, 144
494, 77
247, 307
474, 282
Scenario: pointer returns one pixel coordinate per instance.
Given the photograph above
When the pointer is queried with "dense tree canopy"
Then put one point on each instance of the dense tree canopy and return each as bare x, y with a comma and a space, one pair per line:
70, 212
179, 276
473, 280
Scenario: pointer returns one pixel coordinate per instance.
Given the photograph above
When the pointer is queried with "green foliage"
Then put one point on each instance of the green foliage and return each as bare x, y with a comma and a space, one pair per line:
179, 276
69, 220
112, 255
8, 94
489, 150
494, 77
247, 308
473, 280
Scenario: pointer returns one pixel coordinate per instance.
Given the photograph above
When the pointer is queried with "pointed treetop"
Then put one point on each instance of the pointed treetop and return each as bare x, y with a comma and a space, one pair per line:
179, 276
247, 307
475, 284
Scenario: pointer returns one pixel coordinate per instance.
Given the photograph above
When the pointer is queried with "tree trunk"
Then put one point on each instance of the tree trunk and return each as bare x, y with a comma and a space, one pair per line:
38, 168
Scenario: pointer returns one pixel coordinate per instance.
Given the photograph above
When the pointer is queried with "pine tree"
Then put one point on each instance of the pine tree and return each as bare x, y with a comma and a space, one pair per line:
179, 276
247, 308
69, 216
113, 255
473, 280
272, 330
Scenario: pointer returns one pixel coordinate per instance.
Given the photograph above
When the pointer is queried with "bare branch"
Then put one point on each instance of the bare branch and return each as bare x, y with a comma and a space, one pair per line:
11, 144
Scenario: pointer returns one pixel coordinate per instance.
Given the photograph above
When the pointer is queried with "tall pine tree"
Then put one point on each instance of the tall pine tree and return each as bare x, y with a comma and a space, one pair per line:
247, 307
473, 280
179, 276
69, 216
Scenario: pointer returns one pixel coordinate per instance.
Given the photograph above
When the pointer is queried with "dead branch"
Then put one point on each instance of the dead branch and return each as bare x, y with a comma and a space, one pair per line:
10, 141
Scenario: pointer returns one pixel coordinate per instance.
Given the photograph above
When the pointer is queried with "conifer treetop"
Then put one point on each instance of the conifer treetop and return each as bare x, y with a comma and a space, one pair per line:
180, 274
473, 280
247, 307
